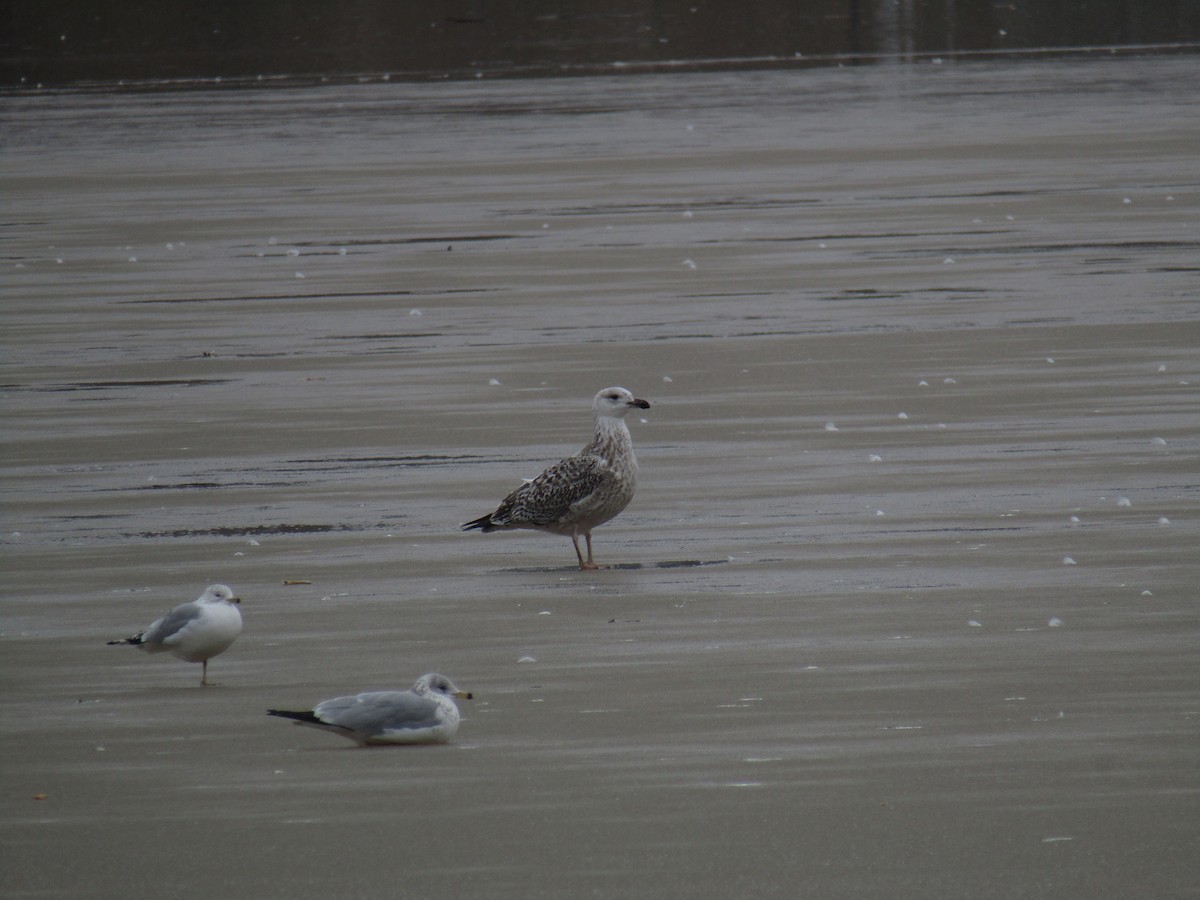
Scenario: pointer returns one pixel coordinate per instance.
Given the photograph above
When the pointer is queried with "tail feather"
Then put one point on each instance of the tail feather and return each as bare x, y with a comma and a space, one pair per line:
135, 640
305, 716
483, 523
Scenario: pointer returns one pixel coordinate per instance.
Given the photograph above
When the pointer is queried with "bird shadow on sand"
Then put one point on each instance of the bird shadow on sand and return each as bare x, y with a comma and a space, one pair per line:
626, 567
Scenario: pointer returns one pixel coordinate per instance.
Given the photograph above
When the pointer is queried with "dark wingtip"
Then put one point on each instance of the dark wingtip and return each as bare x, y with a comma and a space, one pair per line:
483, 523
305, 716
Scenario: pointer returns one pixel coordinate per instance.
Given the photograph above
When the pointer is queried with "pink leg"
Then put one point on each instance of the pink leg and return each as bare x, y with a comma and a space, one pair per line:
589, 564
583, 566
578, 554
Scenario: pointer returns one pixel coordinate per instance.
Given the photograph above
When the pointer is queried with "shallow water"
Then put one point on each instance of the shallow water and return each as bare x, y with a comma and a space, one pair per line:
904, 606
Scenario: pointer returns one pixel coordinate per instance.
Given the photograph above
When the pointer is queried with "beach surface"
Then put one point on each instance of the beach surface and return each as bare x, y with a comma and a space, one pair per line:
905, 605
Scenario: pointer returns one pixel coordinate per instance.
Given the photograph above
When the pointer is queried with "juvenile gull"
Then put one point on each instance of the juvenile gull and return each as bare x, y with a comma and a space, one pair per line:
424, 715
575, 495
196, 631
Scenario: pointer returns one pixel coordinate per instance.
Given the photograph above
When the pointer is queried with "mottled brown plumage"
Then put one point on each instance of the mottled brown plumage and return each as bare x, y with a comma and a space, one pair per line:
577, 494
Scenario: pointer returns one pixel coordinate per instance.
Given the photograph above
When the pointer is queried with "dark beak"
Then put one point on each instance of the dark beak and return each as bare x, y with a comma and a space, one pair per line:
640, 404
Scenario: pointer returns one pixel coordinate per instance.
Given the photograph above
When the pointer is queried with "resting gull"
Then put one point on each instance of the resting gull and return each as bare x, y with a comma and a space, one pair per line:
424, 715
196, 631
575, 495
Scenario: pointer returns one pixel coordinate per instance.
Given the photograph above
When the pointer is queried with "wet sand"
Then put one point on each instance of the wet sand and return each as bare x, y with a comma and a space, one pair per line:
905, 605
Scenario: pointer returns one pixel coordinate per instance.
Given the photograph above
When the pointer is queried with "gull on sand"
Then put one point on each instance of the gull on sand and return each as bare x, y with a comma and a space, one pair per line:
575, 495
426, 714
196, 631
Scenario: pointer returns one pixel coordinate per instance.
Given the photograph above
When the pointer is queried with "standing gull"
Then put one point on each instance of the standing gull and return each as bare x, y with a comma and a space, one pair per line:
575, 495
196, 631
424, 715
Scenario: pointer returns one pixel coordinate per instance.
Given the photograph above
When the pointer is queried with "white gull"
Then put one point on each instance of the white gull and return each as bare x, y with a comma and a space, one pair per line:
426, 714
196, 631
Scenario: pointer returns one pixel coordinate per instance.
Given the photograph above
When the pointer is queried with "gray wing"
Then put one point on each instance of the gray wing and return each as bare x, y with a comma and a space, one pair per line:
550, 496
379, 711
162, 630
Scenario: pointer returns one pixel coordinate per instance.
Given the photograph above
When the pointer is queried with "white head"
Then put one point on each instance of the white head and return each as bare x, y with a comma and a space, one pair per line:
218, 593
615, 402
439, 684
